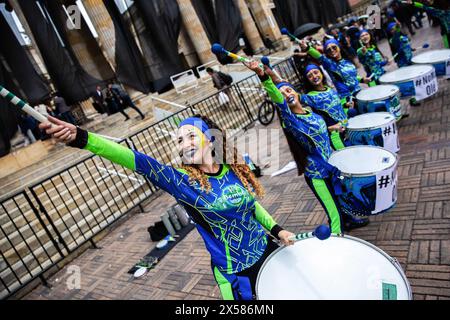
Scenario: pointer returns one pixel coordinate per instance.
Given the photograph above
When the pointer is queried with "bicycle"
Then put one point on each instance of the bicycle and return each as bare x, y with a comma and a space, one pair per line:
266, 111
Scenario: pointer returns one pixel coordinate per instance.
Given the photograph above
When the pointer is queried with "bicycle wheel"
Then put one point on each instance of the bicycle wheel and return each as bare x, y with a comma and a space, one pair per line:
266, 112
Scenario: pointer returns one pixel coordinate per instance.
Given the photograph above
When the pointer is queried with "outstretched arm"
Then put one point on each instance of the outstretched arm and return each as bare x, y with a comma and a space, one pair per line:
267, 221
165, 177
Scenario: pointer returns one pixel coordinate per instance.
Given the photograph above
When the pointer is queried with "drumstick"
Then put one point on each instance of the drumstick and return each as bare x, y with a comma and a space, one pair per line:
322, 232
286, 32
265, 61
218, 49
8, 95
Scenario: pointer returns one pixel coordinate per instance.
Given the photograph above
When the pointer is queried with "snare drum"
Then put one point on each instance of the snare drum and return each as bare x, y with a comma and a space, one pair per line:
369, 179
338, 268
440, 59
373, 129
380, 98
418, 80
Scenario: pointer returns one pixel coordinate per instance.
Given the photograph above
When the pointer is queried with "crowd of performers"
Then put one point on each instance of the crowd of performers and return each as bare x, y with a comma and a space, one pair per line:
221, 196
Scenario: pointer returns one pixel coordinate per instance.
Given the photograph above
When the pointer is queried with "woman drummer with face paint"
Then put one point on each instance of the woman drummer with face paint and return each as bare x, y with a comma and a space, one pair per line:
325, 101
342, 72
311, 134
219, 197
371, 58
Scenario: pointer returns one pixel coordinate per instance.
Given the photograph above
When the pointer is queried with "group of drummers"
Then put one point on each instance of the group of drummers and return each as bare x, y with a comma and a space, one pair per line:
343, 139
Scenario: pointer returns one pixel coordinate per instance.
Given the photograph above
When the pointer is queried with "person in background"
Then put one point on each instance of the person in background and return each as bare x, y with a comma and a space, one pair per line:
223, 82
124, 99
99, 98
63, 110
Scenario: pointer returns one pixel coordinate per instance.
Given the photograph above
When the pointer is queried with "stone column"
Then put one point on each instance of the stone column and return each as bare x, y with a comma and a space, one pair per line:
265, 20
105, 28
250, 29
195, 31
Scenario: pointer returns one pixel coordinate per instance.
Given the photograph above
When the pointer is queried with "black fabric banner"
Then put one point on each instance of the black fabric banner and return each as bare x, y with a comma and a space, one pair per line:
294, 13
9, 114
162, 21
129, 61
222, 23
68, 76
34, 87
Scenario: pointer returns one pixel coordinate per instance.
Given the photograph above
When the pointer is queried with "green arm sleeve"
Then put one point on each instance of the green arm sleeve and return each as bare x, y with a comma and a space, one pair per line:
264, 217
111, 151
314, 53
273, 91
418, 5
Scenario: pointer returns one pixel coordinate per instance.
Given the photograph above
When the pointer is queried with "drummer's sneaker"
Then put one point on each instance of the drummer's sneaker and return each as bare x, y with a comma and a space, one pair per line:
354, 223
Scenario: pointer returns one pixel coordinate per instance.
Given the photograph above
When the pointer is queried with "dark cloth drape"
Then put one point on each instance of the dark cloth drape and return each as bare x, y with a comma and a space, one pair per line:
34, 87
293, 13
67, 74
222, 23
129, 61
9, 114
162, 20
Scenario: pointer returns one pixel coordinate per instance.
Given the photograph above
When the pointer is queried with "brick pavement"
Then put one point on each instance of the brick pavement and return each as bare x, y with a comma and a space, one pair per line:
416, 232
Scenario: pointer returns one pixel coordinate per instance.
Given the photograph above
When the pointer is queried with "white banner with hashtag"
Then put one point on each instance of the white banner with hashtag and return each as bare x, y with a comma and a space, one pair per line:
386, 189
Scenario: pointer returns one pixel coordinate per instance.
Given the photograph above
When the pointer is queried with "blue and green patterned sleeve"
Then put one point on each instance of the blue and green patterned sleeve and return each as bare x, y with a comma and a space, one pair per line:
165, 177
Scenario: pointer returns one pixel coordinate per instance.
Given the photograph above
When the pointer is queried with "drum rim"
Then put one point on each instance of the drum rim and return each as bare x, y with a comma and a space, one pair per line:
436, 62
406, 80
392, 260
356, 175
397, 93
373, 128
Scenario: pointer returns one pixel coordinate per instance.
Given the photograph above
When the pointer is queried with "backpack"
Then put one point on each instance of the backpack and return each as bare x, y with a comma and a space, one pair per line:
226, 78
158, 231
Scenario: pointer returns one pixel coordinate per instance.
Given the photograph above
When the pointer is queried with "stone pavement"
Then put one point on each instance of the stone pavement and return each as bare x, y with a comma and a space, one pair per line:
416, 232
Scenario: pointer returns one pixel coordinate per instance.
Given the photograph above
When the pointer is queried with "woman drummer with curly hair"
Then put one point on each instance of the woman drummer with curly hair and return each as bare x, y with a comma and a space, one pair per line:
219, 197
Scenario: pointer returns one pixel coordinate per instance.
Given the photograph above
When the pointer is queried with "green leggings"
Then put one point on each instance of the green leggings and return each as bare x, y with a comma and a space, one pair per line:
446, 40
336, 141
324, 192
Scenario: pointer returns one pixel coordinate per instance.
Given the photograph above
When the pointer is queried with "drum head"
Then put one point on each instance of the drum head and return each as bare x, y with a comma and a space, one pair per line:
377, 93
362, 160
339, 268
434, 56
370, 120
405, 74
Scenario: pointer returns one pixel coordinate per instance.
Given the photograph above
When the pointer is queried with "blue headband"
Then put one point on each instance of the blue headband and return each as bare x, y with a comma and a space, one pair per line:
391, 26
282, 84
199, 124
310, 67
331, 41
363, 31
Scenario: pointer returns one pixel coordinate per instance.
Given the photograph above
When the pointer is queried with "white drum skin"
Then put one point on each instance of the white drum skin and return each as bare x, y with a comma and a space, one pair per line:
440, 59
338, 268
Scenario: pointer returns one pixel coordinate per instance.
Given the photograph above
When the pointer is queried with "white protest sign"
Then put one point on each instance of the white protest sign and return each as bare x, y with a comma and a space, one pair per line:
386, 187
390, 137
426, 85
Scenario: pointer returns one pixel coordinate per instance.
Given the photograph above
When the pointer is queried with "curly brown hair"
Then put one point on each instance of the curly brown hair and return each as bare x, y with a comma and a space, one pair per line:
242, 170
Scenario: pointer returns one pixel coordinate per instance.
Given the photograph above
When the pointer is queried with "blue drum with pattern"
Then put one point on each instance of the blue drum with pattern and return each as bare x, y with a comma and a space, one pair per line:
382, 98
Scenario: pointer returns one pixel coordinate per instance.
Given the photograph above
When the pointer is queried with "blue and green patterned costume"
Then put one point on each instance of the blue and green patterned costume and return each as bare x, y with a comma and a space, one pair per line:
444, 18
311, 131
229, 219
343, 73
402, 47
373, 62
328, 105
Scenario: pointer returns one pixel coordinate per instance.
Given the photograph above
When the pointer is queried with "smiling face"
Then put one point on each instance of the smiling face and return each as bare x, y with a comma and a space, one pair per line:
365, 38
315, 77
333, 52
193, 146
290, 95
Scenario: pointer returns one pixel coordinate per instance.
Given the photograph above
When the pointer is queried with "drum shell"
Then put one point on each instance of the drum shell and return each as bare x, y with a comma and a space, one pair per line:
373, 136
390, 104
323, 284
363, 193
